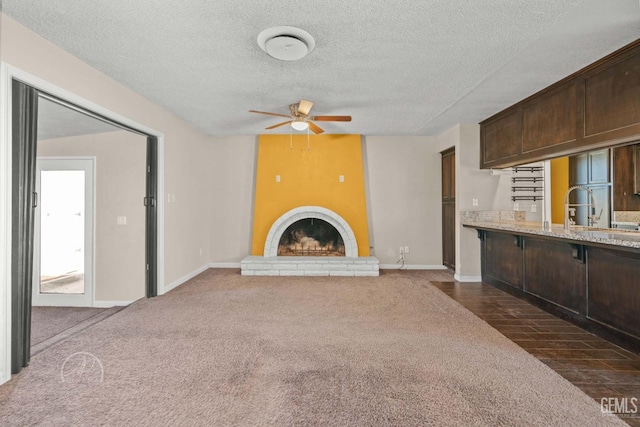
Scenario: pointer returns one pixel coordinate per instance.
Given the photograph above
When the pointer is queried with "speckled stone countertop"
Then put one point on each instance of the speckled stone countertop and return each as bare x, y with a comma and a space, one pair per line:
606, 236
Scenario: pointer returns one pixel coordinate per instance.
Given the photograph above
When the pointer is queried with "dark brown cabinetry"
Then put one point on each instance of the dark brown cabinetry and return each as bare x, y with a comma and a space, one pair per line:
597, 286
614, 289
502, 259
626, 178
597, 106
449, 208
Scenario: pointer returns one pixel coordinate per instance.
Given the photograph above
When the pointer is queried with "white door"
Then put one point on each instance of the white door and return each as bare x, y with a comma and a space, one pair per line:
63, 252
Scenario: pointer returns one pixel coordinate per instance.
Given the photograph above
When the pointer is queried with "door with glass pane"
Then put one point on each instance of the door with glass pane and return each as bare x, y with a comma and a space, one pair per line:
63, 256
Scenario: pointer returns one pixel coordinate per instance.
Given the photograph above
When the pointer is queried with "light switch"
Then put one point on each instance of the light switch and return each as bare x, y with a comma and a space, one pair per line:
122, 220
341, 178
277, 178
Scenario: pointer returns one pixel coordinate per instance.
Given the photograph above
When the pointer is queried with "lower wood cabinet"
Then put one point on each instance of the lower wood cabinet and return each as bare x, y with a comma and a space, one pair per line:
552, 272
597, 286
614, 289
502, 259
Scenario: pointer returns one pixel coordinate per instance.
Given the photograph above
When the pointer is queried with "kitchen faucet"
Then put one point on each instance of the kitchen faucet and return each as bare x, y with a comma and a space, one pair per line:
569, 208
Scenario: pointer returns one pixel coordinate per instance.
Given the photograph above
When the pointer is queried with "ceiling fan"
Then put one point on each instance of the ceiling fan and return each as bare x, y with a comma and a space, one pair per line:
300, 119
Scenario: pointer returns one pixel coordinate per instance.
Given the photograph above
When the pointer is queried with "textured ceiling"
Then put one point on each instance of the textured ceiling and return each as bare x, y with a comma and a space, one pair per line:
399, 68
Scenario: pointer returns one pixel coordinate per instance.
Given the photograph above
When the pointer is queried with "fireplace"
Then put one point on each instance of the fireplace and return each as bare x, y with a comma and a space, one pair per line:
311, 237
310, 241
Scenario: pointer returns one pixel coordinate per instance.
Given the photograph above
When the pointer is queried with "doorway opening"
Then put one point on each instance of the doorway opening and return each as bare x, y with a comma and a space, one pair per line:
63, 233
23, 105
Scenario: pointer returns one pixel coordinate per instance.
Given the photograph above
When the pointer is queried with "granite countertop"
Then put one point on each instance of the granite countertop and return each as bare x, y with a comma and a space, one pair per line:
606, 236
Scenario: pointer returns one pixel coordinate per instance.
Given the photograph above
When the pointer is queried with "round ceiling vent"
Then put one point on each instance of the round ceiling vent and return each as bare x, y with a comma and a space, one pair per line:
286, 43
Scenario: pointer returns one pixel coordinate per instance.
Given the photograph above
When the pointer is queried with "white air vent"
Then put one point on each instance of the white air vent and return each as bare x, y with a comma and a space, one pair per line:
286, 43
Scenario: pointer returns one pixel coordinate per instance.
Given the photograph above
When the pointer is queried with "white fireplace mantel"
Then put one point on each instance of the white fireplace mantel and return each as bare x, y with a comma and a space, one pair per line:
273, 265
304, 212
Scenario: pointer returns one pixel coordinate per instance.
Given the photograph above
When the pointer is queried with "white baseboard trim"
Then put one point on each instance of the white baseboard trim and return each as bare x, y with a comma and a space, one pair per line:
224, 265
180, 281
474, 279
411, 267
109, 304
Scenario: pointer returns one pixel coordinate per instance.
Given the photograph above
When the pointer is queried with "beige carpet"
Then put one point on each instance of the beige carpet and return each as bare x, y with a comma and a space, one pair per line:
47, 322
230, 350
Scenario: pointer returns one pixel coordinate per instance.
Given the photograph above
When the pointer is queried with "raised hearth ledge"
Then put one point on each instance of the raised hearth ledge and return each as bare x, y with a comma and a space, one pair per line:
309, 266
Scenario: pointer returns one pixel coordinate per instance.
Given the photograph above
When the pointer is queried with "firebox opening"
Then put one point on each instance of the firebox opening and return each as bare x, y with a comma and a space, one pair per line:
311, 237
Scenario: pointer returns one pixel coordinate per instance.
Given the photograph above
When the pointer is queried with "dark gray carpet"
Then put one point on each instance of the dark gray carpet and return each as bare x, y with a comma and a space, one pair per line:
230, 350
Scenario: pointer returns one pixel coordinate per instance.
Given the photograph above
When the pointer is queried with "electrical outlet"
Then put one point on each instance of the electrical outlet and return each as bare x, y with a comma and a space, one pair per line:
516, 206
406, 250
534, 208
401, 250
475, 202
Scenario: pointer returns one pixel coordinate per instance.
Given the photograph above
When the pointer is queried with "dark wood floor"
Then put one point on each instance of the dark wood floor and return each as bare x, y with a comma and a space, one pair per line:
599, 368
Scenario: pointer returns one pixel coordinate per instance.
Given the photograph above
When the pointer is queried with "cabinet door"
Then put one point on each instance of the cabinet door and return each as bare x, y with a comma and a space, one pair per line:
501, 139
614, 280
503, 259
550, 119
612, 97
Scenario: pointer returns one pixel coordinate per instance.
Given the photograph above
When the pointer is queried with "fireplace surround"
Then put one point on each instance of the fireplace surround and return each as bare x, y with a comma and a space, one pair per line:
270, 264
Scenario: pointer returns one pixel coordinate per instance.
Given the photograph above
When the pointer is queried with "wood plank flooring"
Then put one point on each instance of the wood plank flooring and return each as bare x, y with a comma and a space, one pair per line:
599, 368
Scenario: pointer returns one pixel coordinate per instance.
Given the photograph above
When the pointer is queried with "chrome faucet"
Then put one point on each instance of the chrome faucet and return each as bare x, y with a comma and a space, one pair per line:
569, 208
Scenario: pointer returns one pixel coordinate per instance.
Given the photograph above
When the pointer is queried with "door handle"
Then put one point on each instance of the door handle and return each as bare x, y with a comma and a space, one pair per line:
34, 200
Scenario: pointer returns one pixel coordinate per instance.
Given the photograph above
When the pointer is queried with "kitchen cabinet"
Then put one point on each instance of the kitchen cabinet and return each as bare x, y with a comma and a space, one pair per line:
502, 259
595, 107
626, 178
595, 285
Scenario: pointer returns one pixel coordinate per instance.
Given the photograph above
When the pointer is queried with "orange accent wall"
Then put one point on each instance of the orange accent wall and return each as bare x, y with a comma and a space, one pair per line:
559, 186
310, 178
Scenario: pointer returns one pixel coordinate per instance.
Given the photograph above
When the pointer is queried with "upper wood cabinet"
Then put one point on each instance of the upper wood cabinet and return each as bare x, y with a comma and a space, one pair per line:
595, 107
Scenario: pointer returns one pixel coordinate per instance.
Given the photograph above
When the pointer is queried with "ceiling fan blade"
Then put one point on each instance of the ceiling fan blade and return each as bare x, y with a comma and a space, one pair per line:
315, 128
331, 118
279, 124
304, 107
270, 114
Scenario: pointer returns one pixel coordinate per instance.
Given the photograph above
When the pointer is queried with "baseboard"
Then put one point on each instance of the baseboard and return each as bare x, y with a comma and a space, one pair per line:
189, 276
411, 267
224, 265
109, 304
474, 279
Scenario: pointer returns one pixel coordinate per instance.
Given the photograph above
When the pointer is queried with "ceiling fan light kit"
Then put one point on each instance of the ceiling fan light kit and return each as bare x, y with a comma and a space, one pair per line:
299, 117
299, 125
286, 43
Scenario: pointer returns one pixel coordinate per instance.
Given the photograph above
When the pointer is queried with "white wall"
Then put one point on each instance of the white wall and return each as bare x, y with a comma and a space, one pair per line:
405, 193
185, 151
231, 189
185, 148
120, 187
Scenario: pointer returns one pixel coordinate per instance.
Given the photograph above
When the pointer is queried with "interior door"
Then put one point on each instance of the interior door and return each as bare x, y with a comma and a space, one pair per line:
63, 249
